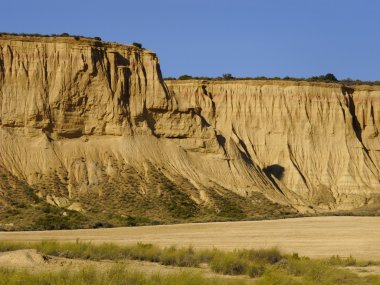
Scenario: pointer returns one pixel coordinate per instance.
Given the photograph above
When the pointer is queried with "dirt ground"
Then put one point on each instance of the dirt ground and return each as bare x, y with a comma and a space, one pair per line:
314, 237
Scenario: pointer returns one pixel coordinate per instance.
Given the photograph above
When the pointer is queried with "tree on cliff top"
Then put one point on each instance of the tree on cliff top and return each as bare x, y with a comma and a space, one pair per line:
227, 76
328, 77
138, 45
185, 77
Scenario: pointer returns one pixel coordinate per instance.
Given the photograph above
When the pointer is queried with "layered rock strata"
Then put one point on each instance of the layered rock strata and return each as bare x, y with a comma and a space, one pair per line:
317, 141
84, 122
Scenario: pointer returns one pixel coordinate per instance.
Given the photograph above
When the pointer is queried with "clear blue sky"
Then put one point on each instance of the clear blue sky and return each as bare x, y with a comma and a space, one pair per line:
297, 38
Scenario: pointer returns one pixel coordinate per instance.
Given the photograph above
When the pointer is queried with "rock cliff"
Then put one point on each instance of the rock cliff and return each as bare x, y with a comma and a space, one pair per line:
91, 126
318, 143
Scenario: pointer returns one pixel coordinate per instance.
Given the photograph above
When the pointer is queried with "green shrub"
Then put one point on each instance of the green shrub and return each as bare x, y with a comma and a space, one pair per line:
52, 222
317, 271
138, 45
54, 219
206, 255
329, 77
185, 77
98, 225
297, 267
337, 260
228, 263
255, 269
184, 257
270, 256
320, 272
169, 257
47, 247
280, 277
143, 251
227, 76
341, 277
80, 250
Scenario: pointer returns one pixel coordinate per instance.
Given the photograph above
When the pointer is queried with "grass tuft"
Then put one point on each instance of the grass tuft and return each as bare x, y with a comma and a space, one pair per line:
228, 263
268, 266
116, 275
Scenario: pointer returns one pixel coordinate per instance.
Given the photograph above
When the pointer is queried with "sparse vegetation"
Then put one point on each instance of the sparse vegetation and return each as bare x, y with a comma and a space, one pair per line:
268, 265
56, 220
227, 76
76, 37
117, 275
185, 77
327, 78
248, 262
123, 204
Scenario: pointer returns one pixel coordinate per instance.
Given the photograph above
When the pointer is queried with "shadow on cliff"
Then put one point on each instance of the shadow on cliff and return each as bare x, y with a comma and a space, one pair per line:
348, 91
274, 170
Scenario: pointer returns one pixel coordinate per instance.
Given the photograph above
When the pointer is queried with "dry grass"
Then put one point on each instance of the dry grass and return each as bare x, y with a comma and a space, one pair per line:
267, 266
116, 275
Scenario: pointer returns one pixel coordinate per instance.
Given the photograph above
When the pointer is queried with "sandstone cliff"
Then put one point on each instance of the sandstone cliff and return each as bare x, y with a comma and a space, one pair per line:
318, 142
91, 126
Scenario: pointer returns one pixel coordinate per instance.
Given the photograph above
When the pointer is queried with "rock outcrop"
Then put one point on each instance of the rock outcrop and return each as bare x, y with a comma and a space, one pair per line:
92, 125
317, 142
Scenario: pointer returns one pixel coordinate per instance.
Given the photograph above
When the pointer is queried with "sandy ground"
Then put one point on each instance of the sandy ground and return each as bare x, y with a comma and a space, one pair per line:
314, 237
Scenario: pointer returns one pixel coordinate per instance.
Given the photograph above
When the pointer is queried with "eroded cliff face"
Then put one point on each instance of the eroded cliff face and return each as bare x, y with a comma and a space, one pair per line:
74, 88
318, 142
91, 126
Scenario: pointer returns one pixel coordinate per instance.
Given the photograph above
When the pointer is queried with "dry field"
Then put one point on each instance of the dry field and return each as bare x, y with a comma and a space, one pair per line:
314, 237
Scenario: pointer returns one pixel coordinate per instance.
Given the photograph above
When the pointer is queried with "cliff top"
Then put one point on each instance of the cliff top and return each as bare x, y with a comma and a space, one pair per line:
285, 83
69, 39
97, 42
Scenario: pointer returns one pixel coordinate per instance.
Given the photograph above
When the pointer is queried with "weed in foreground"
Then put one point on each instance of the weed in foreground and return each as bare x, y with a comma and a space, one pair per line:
116, 275
268, 266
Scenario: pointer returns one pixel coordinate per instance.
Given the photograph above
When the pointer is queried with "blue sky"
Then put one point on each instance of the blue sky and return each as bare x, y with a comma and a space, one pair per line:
298, 38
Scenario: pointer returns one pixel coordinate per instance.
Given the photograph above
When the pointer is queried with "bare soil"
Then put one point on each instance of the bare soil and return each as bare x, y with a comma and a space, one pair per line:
314, 237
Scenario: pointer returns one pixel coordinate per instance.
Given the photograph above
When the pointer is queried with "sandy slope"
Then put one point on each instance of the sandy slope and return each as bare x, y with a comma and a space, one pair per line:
315, 237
